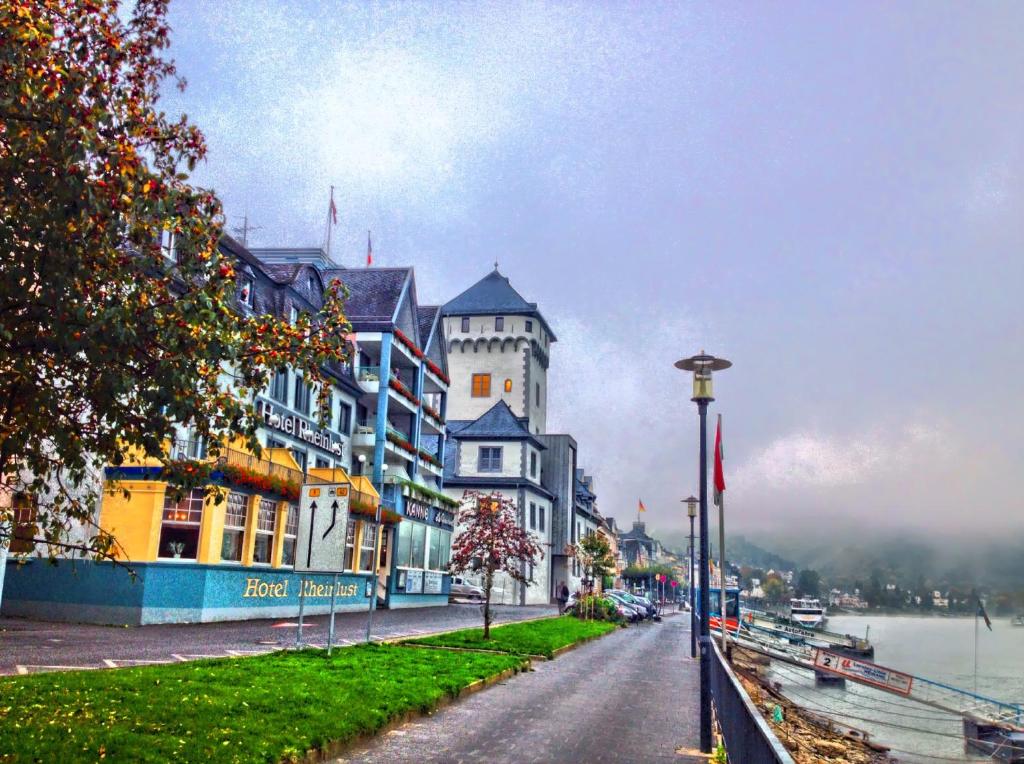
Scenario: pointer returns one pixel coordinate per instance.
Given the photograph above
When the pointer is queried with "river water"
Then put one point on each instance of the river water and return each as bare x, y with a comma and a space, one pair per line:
936, 648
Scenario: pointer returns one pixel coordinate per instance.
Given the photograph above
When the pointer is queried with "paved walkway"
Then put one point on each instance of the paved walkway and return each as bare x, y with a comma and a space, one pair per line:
627, 697
28, 646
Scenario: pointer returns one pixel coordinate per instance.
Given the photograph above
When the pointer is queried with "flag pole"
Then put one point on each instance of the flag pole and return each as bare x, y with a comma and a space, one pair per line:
330, 215
721, 564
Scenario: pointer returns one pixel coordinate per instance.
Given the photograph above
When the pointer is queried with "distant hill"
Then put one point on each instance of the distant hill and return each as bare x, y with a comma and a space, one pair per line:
902, 558
738, 549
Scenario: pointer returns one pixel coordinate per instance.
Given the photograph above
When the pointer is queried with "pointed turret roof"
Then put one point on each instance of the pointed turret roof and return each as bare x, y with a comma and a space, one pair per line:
493, 295
497, 423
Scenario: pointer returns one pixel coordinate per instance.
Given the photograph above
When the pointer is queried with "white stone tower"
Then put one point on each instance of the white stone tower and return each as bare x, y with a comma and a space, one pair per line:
498, 349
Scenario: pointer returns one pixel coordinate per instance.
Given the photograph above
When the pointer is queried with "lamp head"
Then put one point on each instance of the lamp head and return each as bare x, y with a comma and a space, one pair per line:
702, 365
361, 458
384, 467
691, 506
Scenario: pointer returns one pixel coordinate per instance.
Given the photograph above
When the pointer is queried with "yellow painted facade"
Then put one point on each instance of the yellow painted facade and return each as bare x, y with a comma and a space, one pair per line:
135, 520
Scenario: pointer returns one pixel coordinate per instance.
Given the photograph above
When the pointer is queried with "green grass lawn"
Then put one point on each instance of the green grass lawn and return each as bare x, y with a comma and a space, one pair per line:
263, 709
530, 638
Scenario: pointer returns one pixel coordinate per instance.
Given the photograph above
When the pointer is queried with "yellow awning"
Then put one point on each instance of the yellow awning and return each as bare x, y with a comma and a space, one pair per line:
365, 485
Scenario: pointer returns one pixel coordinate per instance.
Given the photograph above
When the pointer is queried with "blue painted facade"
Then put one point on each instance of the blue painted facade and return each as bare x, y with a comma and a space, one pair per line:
165, 592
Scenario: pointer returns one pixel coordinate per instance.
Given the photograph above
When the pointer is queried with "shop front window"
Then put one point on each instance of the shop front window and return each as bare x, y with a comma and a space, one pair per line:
350, 544
24, 523
366, 547
434, 549
234, 527
446, 549
419, 543
179, 529
404, 547
291, 530
266, 515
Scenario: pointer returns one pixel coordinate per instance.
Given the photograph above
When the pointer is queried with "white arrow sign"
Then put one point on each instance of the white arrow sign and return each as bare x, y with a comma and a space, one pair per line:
323, 524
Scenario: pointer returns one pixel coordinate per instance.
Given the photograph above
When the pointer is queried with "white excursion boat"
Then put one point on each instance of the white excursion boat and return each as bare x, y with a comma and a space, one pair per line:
807, 611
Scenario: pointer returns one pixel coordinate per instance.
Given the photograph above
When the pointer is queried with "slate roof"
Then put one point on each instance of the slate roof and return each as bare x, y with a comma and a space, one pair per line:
486, 483
497, 423
425, 315
374, 294
283, 273
493, 295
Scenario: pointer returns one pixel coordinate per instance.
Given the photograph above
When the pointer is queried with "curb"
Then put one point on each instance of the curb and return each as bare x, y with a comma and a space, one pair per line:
337, 749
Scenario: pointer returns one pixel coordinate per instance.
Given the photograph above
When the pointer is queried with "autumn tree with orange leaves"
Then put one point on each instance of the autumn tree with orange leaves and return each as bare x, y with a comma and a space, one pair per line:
106, 342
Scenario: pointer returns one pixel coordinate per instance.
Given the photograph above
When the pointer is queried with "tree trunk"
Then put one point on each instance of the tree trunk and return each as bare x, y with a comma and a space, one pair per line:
488, 583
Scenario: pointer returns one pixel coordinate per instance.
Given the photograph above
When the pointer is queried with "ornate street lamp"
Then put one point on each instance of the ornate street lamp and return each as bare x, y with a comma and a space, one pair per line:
691, 512
702, 366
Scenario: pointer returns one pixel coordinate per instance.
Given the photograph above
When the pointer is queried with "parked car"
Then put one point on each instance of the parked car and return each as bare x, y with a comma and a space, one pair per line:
627, 612
462, 589
639, 612
643, 604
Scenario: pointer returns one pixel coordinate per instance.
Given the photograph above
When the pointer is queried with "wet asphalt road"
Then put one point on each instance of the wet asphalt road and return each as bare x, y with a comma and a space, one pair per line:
30, 646
628, 697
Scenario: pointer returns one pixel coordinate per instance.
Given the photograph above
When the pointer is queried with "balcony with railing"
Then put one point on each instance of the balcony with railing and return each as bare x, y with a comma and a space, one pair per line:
198, 451
368, 378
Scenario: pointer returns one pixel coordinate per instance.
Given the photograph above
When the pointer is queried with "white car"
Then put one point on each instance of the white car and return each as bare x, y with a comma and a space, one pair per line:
463, 589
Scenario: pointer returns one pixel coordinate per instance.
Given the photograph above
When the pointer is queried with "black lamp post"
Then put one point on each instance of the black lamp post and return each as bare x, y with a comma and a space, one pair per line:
702, 366
691, 512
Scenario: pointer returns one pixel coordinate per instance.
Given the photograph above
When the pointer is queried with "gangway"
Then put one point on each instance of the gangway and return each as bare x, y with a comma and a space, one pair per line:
989, 724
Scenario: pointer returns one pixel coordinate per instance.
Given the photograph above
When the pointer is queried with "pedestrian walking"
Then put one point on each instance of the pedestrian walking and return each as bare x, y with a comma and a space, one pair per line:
562, 595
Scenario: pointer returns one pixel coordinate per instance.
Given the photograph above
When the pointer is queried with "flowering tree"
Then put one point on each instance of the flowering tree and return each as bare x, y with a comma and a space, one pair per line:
118, 309
491, 541
594, 555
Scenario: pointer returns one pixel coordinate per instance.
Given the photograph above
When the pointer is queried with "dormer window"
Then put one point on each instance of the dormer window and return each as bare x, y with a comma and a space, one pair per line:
499, 323
529, 327
312, 284
247, 291
169, 244
465, 324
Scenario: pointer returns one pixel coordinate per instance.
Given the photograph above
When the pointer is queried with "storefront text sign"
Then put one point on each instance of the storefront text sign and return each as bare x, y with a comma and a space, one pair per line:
416, 510
299, 427
256, 587
444, 517
432, 582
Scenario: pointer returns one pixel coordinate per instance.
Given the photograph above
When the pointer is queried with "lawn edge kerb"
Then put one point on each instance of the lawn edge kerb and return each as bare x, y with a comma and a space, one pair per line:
338, 748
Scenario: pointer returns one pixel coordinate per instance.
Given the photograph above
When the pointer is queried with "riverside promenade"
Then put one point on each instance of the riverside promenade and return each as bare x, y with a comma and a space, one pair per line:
630, 696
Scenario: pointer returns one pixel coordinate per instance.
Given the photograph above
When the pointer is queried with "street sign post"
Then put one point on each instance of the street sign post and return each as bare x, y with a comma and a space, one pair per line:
320, 539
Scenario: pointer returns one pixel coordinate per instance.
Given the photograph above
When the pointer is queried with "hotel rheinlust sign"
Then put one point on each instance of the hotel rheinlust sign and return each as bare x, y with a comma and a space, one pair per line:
281, 419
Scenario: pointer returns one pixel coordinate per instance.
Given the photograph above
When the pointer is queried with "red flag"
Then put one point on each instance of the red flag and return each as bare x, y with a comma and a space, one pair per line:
333, 209
369, 250
641, 507
719, 457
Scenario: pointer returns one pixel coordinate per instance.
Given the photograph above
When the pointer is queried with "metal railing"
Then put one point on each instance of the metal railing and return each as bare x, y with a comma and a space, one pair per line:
190, 449
748, 738
398, 434
368, 374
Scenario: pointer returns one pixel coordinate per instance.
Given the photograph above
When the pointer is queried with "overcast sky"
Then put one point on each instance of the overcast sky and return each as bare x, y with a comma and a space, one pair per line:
829, 195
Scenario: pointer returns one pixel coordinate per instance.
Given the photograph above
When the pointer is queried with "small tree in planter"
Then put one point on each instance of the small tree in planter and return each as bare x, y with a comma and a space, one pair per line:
594, 555
491, 541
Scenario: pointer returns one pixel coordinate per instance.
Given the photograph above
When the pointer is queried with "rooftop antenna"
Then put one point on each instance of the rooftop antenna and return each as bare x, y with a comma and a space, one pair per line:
243, 230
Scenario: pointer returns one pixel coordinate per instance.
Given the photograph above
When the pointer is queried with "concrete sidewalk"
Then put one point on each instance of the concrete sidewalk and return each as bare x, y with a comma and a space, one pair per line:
628, 697
28, 646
